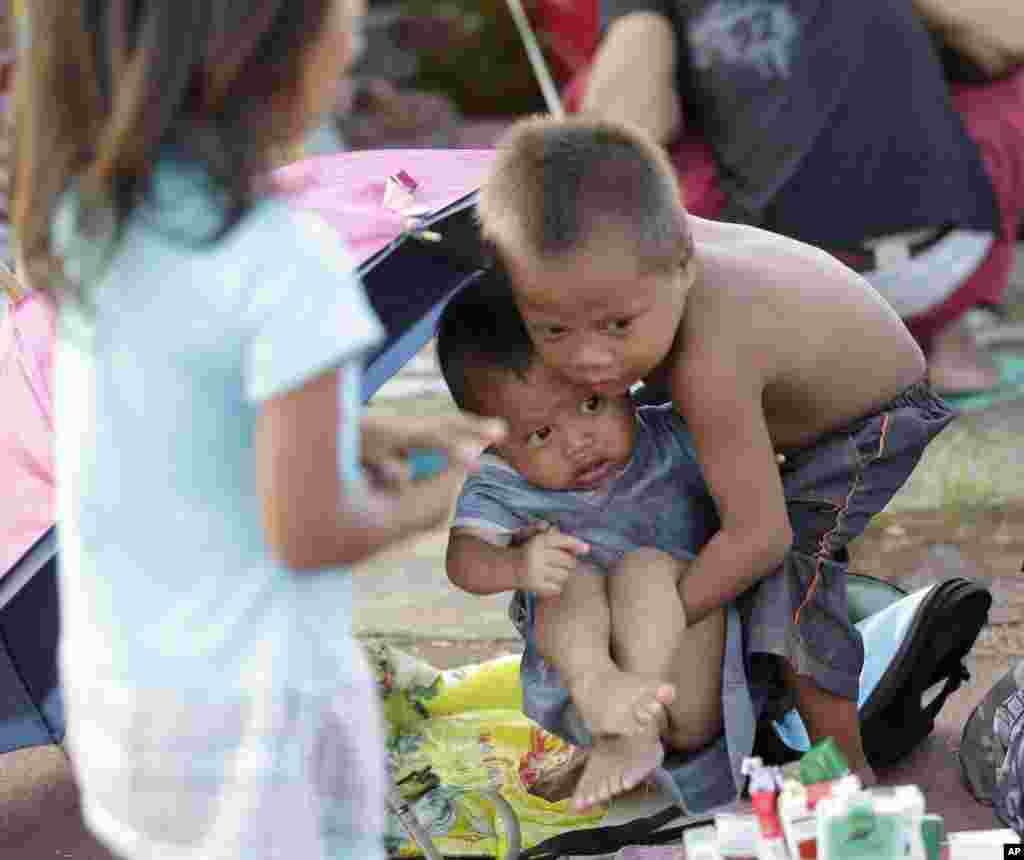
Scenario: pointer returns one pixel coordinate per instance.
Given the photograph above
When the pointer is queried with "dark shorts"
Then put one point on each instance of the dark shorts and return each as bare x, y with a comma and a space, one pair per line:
833, 488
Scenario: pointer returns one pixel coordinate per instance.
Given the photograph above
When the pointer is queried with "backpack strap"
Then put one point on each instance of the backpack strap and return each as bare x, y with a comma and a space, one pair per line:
595, 841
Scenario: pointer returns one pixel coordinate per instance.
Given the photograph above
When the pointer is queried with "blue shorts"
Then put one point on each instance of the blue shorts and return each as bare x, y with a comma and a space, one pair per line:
833, 488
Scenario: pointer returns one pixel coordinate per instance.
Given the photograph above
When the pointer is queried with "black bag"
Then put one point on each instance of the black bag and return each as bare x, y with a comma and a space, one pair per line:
931, 632
980, 753
896, 717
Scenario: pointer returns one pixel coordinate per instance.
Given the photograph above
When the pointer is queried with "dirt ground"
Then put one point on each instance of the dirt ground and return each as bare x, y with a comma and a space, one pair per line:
915, 548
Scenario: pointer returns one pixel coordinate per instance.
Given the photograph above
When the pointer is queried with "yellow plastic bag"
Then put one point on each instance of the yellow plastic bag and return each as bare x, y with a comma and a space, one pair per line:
481, 687
454, 736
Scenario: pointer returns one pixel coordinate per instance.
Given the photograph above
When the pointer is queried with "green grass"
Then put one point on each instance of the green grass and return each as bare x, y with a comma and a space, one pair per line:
969, 467
966, 468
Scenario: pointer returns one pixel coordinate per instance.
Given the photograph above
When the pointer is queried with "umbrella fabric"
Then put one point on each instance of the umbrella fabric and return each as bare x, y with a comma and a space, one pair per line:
407, 280
31, 705
26, 428
347, 189
31, 710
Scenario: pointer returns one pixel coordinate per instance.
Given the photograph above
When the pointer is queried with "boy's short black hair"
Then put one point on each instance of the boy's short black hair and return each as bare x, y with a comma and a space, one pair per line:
480, 330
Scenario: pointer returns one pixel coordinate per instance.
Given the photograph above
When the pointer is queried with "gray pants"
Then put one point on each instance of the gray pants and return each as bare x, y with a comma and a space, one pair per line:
833, 488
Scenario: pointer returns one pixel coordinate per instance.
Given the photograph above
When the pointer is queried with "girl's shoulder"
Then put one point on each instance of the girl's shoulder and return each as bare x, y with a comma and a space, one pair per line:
278, 236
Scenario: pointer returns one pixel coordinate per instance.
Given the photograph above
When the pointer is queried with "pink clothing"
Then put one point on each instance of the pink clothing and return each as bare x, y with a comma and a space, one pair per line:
26, 428
347, 190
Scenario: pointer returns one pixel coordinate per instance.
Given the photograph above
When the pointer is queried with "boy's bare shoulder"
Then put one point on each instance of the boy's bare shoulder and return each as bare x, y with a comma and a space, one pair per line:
749, 255
751, 286
783, 323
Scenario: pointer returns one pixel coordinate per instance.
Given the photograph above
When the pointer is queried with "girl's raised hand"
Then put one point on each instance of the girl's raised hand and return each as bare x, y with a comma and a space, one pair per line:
456, 441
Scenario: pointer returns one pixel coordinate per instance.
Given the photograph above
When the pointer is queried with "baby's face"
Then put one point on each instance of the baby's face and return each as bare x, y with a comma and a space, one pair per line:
561, 436
597, 319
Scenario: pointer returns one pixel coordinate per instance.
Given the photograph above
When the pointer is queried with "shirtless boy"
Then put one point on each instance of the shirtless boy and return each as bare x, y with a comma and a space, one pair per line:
624, 508
771, 350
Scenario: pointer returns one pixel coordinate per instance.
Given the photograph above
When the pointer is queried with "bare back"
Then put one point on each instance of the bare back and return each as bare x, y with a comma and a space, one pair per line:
791, 322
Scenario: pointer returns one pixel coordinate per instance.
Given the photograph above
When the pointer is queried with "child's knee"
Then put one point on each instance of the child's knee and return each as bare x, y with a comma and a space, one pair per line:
650, 563
639, 575
697, 728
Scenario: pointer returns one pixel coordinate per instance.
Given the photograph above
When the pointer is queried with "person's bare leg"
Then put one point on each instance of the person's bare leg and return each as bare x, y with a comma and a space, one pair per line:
649, 638
957, 364
573, 632
825, 714
624, 712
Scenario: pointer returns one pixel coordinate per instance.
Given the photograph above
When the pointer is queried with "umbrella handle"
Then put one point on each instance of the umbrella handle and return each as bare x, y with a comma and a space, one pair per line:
536, 57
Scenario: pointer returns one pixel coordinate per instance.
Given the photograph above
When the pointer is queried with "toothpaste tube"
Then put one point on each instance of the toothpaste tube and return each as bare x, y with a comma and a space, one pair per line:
765, 783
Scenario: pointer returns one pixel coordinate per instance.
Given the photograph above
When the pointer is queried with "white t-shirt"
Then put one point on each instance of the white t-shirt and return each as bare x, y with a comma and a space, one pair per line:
184, 642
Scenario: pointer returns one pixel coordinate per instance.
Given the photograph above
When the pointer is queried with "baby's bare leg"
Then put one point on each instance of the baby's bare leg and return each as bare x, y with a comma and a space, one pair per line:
649, 638
624, 711
573, 633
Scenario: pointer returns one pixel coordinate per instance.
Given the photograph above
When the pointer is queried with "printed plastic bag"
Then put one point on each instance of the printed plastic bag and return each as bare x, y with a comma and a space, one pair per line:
453, 737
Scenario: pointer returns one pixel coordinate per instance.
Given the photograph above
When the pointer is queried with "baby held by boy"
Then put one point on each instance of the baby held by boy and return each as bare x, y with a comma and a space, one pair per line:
802, 392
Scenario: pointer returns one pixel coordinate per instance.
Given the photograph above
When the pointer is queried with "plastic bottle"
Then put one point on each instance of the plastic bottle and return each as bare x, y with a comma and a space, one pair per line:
765, 783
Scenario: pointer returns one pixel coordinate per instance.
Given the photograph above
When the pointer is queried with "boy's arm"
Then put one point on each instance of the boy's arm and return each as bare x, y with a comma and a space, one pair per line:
722, 407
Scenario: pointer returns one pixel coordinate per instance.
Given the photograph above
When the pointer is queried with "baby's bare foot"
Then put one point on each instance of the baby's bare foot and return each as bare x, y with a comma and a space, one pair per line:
619, 703
617, 764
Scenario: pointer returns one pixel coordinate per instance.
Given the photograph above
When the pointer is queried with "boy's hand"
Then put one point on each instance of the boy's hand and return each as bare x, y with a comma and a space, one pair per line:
387, 442
548, 557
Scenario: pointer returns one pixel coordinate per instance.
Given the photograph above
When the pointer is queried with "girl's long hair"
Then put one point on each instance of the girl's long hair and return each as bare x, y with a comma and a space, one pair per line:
104, 86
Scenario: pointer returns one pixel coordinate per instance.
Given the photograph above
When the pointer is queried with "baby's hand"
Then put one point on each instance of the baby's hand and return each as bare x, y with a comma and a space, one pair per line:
549, 556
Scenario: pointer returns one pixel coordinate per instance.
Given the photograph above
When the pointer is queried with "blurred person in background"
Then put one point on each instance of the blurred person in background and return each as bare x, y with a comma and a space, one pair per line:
834, 123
